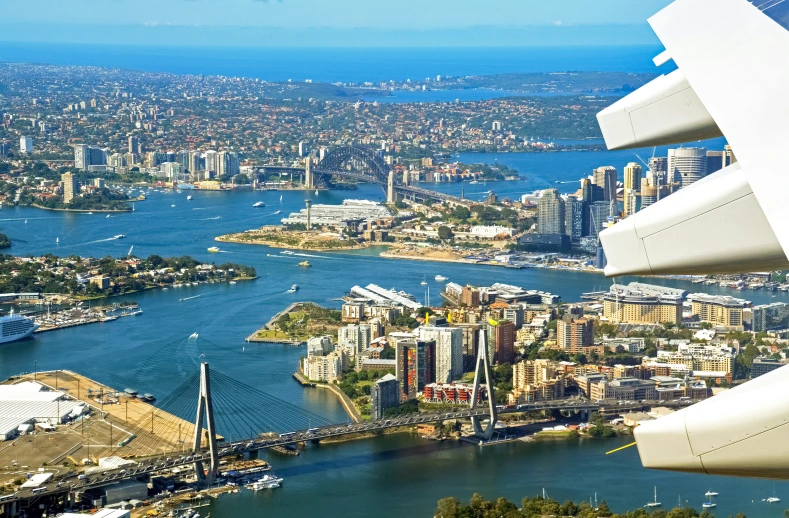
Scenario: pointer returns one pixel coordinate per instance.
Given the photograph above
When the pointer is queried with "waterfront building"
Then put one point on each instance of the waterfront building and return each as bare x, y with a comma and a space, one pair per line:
327, 368
550, 213
354, 338
770, 316
384, 394
687, 165
632, 182
573, 335
454, 393
70, 187
719, 310
642, 304
470, 297
605, 178
449, 351
349, 213
26, 144
501, 341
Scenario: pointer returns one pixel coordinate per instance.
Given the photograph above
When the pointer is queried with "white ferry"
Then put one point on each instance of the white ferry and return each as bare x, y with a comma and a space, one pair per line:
15, 327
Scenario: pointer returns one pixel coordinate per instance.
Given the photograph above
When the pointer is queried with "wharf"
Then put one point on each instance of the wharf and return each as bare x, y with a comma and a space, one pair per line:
121, 424
78, 317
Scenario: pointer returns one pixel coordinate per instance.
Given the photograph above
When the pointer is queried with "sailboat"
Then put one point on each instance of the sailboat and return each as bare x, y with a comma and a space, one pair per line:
709, 504
424, 281
316, 192
711, 493
280, 198
653, 503
25, 222
57, 240
773, 499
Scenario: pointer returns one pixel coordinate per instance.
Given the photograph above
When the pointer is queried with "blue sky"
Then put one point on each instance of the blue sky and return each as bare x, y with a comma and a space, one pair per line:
331, 22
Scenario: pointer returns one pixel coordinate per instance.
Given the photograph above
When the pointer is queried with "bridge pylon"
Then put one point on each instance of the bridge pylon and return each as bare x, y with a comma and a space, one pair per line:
205, 410
483, 368
391, 194
309, 180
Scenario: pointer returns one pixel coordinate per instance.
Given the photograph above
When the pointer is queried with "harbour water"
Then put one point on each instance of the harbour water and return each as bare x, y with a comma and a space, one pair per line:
151, 353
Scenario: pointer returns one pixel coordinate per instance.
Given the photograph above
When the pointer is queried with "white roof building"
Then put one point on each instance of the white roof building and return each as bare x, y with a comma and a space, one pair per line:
29, 402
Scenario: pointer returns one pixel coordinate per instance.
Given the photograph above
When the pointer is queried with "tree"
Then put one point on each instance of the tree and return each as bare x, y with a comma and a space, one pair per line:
448, 508
444, 233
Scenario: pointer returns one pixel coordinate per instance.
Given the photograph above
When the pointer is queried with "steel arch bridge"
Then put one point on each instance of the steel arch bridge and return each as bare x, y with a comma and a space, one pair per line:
335, 163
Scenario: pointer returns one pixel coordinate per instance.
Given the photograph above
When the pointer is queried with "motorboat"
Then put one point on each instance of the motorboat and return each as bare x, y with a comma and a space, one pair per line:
711, 493
189, 197
258, 204
119, 236
305, 264
441, 278
213, 249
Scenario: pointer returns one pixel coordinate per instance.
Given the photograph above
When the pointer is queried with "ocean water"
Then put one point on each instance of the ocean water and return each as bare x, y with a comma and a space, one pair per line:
337, 64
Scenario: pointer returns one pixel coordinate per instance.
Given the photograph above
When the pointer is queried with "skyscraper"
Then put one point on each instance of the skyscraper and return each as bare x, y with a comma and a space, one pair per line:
501, 341
598, 215
211, 160
605, 178
134, 144
687, 165
550, 213
70, 187
385, 394
449, 351
632, 179
415, 363
573, 217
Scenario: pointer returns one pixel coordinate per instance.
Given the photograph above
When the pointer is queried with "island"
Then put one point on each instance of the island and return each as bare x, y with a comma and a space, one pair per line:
280, 237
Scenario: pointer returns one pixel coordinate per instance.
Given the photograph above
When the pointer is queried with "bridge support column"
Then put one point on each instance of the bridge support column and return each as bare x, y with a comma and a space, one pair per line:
205, 410
391, 195
483, 368
309, 181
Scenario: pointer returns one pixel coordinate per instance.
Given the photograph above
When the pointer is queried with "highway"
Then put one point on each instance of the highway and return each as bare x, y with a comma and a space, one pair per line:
174, 460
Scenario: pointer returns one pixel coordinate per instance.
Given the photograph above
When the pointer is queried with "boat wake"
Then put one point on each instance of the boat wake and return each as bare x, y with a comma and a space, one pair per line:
190, 298
299, 254
209, 219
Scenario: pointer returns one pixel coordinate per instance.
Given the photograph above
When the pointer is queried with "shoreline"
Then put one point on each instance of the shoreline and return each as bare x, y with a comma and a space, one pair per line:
230, 238
83, 211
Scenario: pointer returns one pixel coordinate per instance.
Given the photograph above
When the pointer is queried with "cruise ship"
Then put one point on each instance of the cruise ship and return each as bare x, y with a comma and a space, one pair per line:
15, 327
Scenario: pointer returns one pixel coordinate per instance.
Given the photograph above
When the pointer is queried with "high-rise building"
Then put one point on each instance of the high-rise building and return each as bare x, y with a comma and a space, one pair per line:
26, 144
550, 213
605, 177
573, 335
449, 351
227, 164
302, 148
687, 165
720, 310
598, 216
414, 363
211, 161
81, 156
632, 182
196, 162
573, 218
385, 394
134, 144
501, 341
354, 338
70, 187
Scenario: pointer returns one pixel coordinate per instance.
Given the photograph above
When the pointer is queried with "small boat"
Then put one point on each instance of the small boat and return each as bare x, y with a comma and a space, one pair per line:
287, 252
189, 197
173, 205
278, 212
305, 264
711, 493
773, 499
441, 278
213, 249
57, 240
26, 220
90, 214
119, 236
316, 192
258, 204
280, 198
424, 281
108, 217
653, 503
295, 287
708, 505
473, 182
